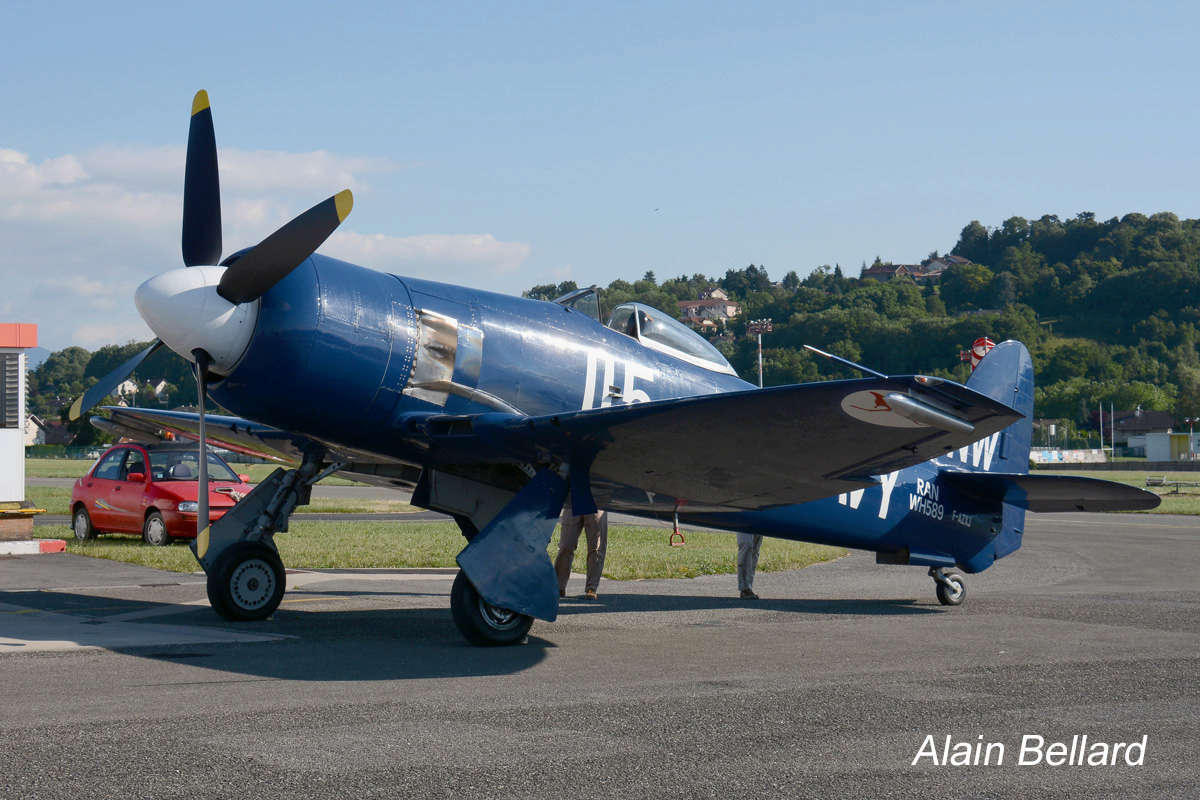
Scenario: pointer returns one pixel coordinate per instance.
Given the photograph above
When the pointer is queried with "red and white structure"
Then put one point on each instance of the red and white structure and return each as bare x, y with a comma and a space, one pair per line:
979, 348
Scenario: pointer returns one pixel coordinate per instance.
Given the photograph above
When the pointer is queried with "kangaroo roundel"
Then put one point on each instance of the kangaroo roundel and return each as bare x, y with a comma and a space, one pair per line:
873, 407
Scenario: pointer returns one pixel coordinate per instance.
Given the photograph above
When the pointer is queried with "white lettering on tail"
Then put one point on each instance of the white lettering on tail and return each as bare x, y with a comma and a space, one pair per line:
888, 483
853, 499
983, 451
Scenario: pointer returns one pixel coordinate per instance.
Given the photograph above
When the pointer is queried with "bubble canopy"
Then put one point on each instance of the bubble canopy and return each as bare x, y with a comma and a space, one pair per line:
659, 331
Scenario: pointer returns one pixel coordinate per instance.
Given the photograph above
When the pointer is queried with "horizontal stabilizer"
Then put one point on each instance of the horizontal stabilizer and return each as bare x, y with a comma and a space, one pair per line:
1052, 492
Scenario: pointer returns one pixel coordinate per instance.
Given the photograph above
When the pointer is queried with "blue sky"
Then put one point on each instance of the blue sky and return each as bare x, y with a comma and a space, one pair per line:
504, 145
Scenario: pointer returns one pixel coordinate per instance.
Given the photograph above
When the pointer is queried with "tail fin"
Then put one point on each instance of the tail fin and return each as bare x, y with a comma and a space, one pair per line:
1005, 374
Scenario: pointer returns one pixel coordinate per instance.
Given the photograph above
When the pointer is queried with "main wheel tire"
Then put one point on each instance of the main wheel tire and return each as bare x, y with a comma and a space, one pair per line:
81, 524
247, 582
482, 623
154, 530
954, 594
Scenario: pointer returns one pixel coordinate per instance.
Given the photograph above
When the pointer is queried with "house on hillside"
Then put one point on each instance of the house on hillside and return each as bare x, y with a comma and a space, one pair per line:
713, 308
928, 271
886, 272
34, 432
40, 431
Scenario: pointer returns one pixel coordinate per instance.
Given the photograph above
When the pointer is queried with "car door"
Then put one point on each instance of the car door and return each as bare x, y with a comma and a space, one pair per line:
126, 497
99, 486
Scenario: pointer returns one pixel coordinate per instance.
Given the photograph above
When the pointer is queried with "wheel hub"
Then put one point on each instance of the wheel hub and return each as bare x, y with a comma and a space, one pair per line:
498, 618
252, 584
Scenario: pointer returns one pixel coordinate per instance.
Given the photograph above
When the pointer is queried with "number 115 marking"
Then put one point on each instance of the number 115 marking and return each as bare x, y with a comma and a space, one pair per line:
626, 393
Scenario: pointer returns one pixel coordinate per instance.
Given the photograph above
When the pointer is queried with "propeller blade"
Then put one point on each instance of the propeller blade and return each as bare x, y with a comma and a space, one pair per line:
252, 275
104, 387
202, 364
201, 189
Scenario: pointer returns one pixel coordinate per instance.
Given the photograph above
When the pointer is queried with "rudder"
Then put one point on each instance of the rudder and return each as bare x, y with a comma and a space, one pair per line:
1006, 374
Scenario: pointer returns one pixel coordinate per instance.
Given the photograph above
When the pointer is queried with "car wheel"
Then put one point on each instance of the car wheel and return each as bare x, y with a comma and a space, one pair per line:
81, 524
154, 530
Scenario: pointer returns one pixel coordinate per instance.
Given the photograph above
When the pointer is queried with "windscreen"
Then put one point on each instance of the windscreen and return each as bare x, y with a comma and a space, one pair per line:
184, 465
661, 332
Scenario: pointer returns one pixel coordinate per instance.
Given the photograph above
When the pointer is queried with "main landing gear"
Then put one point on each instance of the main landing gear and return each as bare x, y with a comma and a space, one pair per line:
482, 623
951, 586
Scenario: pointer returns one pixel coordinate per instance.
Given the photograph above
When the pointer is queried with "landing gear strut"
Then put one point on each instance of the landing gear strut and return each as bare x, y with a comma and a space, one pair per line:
246, 578
951, 586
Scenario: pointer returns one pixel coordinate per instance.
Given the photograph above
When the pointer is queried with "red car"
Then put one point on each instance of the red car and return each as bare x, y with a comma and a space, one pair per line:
151, 490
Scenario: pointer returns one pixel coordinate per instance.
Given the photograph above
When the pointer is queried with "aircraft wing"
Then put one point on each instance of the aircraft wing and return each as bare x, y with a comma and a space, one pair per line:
251, 438
761, 447
750, 449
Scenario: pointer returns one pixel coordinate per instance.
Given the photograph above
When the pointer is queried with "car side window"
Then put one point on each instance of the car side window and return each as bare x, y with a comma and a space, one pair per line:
134, 462
109, 468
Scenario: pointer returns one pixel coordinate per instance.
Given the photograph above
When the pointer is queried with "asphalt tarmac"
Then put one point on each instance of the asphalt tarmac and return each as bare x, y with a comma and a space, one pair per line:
118, 681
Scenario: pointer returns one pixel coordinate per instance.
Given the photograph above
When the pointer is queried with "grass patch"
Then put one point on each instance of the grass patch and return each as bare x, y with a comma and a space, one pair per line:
51, 498
57, 467
1185, 501
633, 553
637, 553
356, 505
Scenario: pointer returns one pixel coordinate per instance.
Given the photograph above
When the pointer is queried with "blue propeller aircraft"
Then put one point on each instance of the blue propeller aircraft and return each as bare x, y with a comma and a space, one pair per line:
492, 409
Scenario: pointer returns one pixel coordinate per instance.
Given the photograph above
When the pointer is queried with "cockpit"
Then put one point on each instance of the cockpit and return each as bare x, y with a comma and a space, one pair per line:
663, 333
653, 328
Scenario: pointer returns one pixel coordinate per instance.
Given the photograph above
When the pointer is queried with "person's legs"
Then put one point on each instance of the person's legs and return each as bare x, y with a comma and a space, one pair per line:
596, 527
747, 560
568, 538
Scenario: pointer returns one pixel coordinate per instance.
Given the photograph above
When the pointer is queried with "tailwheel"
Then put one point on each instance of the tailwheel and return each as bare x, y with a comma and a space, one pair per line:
951, 586
247, 582
481, 622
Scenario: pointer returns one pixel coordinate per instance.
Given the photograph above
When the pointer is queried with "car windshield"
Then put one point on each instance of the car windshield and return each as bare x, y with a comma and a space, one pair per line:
184, 465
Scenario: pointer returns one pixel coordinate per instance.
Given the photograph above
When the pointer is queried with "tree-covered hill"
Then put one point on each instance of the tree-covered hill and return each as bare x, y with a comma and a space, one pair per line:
68, 373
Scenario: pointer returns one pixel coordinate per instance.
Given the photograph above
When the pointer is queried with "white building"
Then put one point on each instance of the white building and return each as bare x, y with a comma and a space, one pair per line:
15, 339
1172, 446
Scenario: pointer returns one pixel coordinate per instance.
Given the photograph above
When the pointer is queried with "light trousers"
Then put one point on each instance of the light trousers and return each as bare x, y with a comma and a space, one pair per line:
596, 528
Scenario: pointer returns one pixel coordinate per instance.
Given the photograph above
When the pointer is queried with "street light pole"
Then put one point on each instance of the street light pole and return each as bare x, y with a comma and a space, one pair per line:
759, 327
1191, 423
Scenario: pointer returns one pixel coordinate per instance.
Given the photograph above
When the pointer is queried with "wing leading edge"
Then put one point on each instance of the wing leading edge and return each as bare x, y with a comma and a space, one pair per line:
746, 450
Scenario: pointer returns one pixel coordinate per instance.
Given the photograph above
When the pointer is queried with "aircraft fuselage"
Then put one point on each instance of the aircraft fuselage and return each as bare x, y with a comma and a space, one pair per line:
348, 355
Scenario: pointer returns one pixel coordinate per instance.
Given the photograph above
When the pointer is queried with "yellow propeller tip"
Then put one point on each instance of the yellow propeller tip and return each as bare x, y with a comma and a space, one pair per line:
199, 102
76, 409
343, 201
